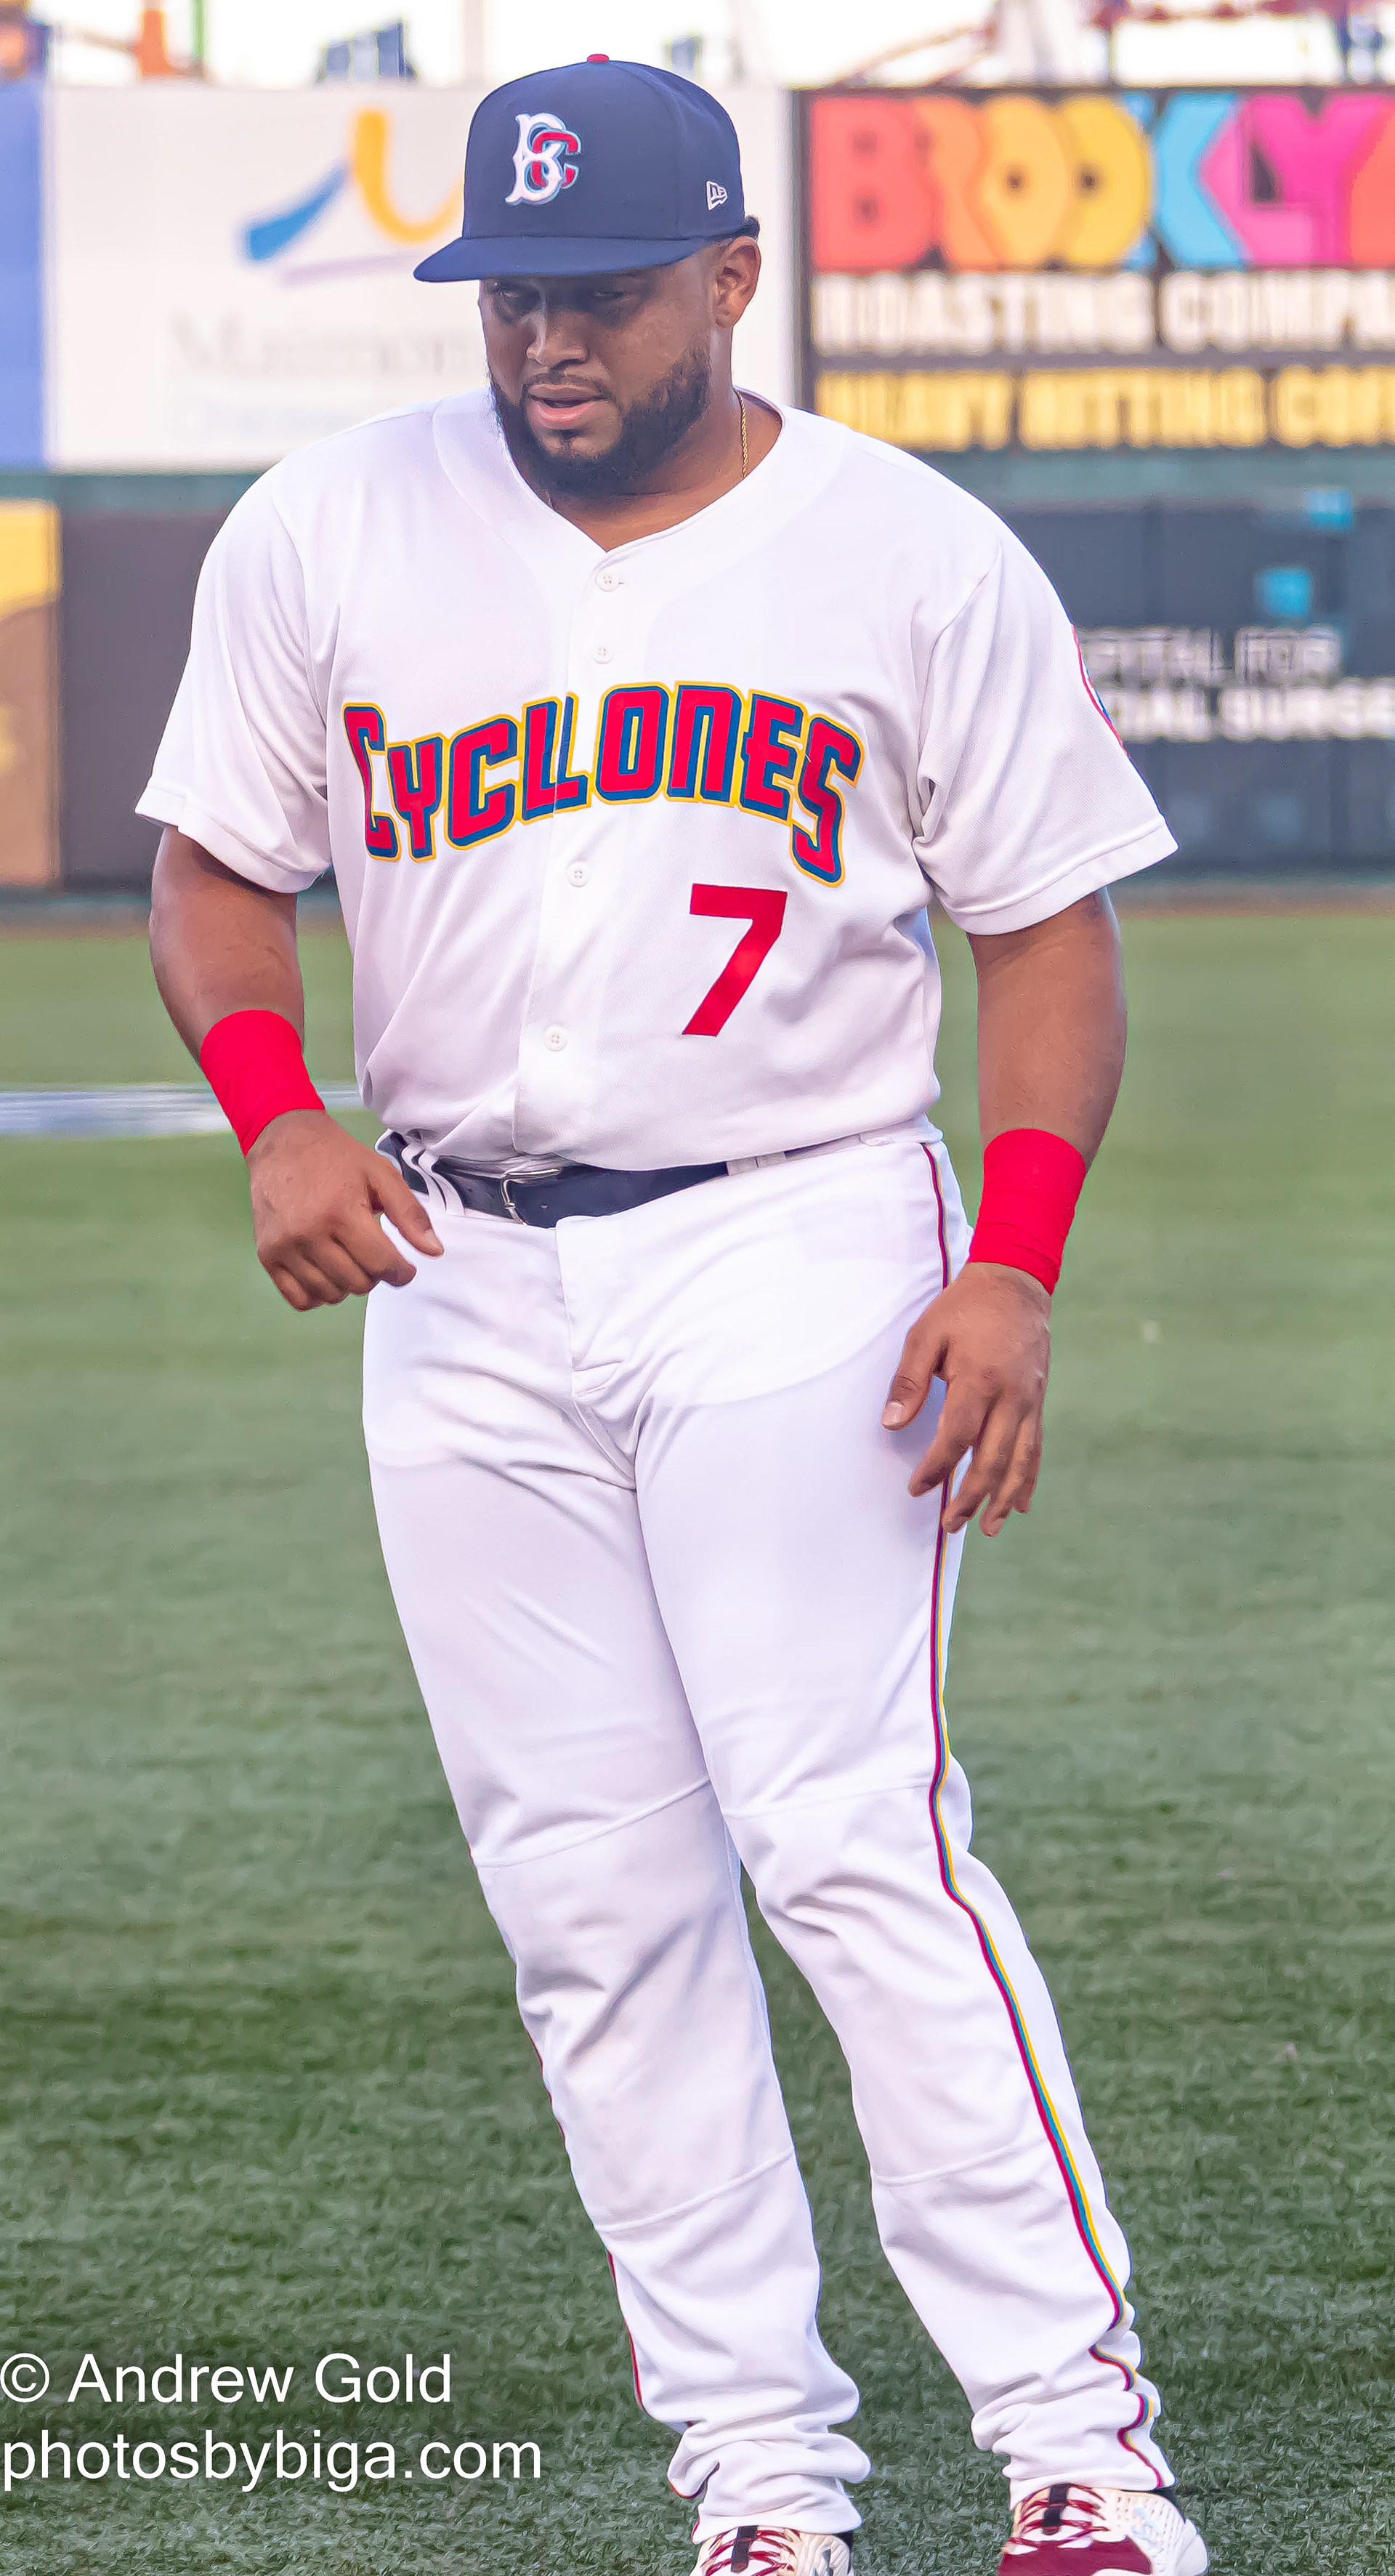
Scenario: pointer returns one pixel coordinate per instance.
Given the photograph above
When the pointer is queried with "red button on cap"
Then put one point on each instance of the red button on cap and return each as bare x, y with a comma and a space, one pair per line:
598, 58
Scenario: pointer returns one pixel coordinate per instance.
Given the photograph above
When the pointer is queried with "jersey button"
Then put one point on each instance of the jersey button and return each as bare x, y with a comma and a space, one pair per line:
602, 653
609, 579
556, 1039
578, 873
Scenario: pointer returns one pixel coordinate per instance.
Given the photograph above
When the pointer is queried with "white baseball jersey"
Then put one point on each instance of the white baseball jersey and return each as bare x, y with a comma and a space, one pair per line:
634, 847
634, 851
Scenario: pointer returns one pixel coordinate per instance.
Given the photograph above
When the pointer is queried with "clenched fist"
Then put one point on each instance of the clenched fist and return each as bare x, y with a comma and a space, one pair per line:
317, 1197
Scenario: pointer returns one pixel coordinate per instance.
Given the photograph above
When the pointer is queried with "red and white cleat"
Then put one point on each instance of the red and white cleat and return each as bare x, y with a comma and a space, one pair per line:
1071, 2530
750, 2549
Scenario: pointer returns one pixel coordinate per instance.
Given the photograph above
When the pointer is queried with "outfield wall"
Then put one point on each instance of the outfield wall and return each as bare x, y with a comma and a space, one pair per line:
1244, 652
29, 693
194, 281
1246, 656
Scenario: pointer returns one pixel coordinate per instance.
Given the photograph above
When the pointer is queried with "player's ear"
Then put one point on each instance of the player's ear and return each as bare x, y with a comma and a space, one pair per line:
735, 271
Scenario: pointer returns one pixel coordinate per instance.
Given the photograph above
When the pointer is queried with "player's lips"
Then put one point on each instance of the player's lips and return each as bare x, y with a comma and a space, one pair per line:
562, 407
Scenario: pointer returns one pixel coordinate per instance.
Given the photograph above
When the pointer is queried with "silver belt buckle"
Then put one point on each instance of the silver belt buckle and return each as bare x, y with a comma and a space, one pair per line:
506, 1194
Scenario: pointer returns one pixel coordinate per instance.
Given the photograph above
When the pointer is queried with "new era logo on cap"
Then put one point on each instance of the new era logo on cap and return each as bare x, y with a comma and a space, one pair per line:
716, 195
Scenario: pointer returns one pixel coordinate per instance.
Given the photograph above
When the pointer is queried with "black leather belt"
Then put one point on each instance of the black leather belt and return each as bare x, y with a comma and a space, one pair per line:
580, 1189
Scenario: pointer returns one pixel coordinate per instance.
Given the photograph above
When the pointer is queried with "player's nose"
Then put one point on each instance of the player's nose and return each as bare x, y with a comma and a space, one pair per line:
555, 336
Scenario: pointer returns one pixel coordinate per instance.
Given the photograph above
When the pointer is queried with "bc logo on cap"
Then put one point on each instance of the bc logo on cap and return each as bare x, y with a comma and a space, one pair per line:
541, 168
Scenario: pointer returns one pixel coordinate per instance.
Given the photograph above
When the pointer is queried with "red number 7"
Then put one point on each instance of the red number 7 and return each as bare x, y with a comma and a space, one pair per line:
765, 911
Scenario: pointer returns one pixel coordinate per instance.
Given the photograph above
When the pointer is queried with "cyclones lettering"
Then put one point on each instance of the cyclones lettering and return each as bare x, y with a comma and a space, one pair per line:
697, 744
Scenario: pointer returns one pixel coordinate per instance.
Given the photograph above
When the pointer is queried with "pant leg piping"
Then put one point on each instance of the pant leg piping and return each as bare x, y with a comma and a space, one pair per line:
1075, 2190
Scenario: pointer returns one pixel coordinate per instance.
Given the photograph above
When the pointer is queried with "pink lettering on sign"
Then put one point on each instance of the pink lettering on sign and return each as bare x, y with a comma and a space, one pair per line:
1279, 179
1309, 161
1372, 243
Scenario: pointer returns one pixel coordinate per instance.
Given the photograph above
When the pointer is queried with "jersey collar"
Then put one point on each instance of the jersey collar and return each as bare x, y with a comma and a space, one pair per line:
726, 532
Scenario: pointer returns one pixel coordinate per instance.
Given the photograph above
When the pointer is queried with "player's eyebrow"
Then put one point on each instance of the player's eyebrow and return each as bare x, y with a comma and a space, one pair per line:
582, 285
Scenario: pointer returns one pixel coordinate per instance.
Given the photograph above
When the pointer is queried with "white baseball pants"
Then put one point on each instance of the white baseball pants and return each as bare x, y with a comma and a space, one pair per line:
672, 1609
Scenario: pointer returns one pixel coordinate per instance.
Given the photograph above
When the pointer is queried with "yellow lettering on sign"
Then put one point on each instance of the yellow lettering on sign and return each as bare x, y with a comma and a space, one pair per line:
1349, 406
1293, 398
1138, 406
1142, 407
1186, 408
1113, 183
1103, 427
1027, 187
1051, 412
947, 410
29, 552
929, 414
1240, 408
922, 416
953, 145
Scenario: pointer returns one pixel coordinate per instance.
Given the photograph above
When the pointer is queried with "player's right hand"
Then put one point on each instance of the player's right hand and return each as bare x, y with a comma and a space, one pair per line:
317, 1198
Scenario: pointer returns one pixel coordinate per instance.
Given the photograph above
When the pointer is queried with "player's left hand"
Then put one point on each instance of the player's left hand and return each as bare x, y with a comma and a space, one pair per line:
988, 1335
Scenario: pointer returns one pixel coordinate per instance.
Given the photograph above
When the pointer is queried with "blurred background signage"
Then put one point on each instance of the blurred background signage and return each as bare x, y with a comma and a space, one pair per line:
1245, 651
21, 276
29, 591
195, 279
1153, 326
1184, 269
378, 53
231, 273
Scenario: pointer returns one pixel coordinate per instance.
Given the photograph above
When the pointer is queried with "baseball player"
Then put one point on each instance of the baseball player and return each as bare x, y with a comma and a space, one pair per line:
637, 718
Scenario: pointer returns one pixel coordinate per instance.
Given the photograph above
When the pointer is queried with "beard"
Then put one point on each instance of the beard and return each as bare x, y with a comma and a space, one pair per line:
649, 432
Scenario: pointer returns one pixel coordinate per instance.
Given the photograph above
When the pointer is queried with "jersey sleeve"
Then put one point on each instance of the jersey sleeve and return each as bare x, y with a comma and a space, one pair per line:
241, 767
1029, 799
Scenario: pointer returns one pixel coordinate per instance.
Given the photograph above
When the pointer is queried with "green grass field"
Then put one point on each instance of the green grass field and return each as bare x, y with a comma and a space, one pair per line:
264, 2094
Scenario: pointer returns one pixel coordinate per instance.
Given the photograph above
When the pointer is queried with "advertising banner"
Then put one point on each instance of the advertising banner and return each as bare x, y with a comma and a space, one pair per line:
29, 581
1247, 657
21, 276
231, 272
1173, 269
128, 589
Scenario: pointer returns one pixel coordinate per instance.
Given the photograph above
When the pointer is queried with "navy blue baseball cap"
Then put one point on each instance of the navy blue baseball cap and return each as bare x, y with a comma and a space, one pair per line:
593, 167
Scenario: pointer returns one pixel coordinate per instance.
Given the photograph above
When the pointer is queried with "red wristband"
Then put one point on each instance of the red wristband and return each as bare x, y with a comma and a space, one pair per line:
1031, 1181
255, 1066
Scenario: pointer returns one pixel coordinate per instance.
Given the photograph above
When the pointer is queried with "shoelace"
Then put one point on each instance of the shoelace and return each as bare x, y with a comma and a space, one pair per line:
1060, 2513
767, 2553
